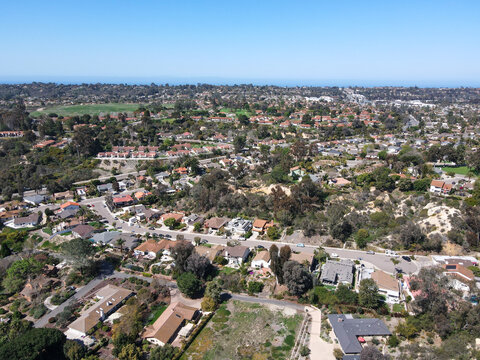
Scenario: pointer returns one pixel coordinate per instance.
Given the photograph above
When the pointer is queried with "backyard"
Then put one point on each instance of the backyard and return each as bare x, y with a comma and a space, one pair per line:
241, 330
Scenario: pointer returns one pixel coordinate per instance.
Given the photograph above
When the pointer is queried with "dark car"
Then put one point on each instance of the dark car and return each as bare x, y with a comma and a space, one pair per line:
260, 247
406, 258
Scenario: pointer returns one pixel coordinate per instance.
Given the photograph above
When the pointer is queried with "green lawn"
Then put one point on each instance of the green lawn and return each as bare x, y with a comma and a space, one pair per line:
91, 109
228, 270
461, 170
156, 312
398, 308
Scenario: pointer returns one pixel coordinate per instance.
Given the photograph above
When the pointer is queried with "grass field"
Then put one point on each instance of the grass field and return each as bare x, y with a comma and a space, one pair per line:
157, 311
242, 330
91, 109
238, 112
461, 170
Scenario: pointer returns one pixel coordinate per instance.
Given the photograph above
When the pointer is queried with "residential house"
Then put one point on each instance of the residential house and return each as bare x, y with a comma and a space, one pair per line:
461, 277
83, 231
338, 272
350, 331
239, 226
261, 260
69, 205
339, 182
29, 221
121, 201
192, 219
388, 286
216, 223
149, 248
440, 187
35, 199
210, 252
35, 287
305, 259
236, 255
165, 329
108, 187
176, 216
110, 299
260, 225
65, 195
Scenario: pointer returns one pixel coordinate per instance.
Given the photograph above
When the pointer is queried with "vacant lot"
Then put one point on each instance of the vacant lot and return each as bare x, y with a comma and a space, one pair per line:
91, 109
242, 330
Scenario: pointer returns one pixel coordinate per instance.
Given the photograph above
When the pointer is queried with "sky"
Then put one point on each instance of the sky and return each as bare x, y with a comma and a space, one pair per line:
337, 42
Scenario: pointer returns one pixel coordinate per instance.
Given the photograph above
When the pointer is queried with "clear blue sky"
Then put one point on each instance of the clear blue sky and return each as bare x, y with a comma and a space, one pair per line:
344, 42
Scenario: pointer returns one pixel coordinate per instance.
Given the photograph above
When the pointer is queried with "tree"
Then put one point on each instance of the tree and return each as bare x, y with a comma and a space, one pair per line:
208, 304
198, 265
297, 278
338, 354
273, 233
189, 284
165, 352
73, 350
129, 352
361, 238
35, 344
372, 353
239, 143
214, 291
170, 222
197, 227
411, 234
368, 294
345, 295
255, 287
79, 251
120, 243
341, 230
180, 253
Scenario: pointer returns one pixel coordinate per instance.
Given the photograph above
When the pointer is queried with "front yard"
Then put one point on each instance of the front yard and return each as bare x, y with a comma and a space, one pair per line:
241, 330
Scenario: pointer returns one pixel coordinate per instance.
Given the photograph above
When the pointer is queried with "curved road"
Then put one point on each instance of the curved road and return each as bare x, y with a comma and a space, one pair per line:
378, 260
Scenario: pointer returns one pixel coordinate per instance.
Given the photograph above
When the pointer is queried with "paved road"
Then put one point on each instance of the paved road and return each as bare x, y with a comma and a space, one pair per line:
379, 260
89, 287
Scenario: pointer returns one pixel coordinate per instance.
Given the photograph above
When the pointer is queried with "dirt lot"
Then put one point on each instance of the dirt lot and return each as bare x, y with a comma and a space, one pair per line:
242, 330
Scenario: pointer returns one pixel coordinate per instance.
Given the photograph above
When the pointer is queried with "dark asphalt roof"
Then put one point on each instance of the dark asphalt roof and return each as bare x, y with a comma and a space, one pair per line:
347, 329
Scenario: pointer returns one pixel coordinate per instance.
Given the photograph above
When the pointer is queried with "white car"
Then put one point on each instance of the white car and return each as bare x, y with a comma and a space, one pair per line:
390, 253
334, 255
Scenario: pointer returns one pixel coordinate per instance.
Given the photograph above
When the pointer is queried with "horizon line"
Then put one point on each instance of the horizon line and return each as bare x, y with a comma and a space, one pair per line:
226, 81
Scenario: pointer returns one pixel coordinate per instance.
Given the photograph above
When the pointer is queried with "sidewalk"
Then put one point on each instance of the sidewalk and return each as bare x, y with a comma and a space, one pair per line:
320, 349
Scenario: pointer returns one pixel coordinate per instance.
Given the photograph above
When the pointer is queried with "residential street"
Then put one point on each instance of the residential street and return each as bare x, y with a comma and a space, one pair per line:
378, 260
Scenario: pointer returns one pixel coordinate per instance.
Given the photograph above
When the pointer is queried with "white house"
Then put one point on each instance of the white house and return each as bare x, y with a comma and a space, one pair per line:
261, 260
236, 255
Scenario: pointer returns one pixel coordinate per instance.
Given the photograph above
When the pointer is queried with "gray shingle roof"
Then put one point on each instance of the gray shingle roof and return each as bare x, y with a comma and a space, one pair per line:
347, 329
337, 272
